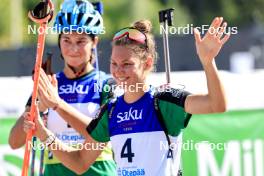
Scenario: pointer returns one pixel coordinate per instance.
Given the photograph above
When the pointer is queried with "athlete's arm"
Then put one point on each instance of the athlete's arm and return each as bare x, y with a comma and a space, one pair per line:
48, 95
75, 118
214, 101
78, 160
17, 136
207, 49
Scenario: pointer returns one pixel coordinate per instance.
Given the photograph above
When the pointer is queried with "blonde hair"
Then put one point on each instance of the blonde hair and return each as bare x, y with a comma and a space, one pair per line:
140, 50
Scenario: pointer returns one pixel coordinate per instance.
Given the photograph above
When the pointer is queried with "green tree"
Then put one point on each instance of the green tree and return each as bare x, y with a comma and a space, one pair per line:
122, 13
4, 23
236, 12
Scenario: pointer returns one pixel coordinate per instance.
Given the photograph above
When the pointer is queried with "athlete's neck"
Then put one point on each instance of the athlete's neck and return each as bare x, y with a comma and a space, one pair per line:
70, 74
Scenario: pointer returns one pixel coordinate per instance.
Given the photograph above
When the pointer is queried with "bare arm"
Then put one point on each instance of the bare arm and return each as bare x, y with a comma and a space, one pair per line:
75, 118
77, 160
212, 102
207, 49
48, 95
17, 136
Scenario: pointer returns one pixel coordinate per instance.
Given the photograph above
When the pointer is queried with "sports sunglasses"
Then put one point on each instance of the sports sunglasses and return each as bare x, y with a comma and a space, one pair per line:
132, 34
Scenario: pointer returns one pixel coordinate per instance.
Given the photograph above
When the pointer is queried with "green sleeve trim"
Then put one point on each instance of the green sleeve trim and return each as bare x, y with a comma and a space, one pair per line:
174, 116
107, 91
104, 95
98, 128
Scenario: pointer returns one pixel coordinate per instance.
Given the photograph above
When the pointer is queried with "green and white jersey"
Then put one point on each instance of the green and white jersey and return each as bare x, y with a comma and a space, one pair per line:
83, 94
139, 142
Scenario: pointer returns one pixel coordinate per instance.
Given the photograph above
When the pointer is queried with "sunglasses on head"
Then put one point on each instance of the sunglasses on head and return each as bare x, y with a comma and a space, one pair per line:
132, 34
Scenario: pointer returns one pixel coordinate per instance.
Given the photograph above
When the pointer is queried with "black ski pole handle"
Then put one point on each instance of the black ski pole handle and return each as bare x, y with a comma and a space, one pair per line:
166, 16
43, 12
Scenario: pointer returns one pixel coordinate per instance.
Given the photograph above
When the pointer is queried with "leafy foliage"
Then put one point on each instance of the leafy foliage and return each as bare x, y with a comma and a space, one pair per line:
121, 13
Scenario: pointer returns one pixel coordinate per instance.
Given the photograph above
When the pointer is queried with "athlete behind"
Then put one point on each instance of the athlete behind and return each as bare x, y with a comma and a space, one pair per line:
138, 122
78, 24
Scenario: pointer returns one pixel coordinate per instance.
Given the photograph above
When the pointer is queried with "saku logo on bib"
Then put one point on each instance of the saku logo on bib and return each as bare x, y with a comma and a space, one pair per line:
133, 114
74, 88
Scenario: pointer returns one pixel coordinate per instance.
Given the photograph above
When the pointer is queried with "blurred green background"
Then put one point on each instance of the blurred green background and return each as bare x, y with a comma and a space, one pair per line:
119, 13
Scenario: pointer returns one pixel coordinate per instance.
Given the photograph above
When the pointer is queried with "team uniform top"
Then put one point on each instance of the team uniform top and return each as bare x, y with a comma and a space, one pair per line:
138, 140
84, 94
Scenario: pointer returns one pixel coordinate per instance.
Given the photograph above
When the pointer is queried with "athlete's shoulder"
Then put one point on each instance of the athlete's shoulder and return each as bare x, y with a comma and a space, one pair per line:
172, 95
100, 75
60, 75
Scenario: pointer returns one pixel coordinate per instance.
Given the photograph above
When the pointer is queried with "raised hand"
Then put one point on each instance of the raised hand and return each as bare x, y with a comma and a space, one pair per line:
209, 46
48, 90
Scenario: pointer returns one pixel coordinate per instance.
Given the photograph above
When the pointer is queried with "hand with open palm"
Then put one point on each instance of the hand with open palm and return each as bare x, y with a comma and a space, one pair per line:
209, 46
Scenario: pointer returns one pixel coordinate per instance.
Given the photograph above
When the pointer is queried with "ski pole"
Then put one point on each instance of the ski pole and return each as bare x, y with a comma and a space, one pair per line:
32, 168
100, 8
41, 161
41, 170
42, 16
48, 70
165, 19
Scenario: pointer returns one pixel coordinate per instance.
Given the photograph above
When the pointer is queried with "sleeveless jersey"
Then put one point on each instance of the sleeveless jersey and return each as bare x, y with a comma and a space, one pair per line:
138, 140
